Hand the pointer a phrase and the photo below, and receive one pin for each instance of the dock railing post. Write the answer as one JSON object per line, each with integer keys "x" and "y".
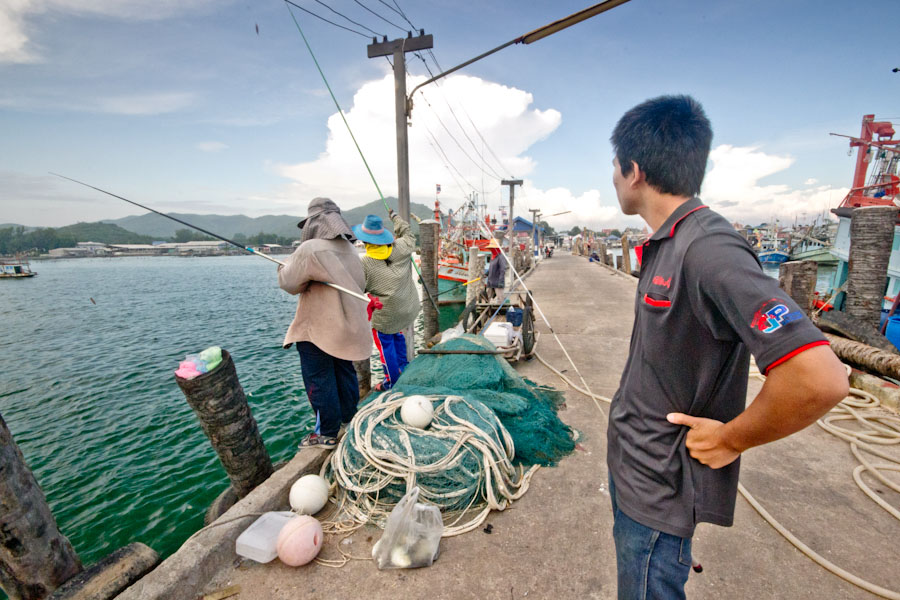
{"x": 626, "y": 255}
{"x": 218, "y": 400}
{"x": 476, "y": 271}
{"x": 429, "y": 231}
{"x": 798, "y": 279}
{"x": 35, "y": 557}
{"x": 871, "y": 238}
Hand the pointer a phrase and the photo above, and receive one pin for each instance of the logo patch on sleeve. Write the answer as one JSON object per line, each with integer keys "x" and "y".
{"x": 773, "y": 315}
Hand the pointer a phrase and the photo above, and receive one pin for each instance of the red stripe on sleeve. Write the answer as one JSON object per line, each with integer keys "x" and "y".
{"x": 795, "y": 353}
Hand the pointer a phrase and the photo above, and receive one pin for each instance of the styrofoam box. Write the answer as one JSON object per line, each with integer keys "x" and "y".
{"x": 499, "y": 334}
{"x": 258, "y": 541}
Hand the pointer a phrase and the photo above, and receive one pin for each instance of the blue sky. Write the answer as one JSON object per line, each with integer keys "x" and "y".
{"x": 183, "y": 106}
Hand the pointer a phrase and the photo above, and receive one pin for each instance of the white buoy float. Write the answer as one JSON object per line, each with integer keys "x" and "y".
{"x": 299, "y": 541}
{"x": 417, "y": 411}
{"x": 309, "y": 494}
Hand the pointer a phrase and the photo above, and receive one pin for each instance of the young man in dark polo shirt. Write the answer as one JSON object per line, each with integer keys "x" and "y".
{"x": 678, "y": 423}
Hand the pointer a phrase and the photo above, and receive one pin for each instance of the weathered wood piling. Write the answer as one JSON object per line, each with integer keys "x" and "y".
{"x": 429, "y": 234}
{"x": 476, "y": 271}
{"x": 35, "y": 557}
{"x": 798, "y": 279}
{"x": 871, "y": 238}
{"x": 626, "y": 255}
{"x": 218, "y": 400}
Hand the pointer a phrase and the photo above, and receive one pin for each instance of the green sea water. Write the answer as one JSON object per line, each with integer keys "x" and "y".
{"x": 88, "y": 390}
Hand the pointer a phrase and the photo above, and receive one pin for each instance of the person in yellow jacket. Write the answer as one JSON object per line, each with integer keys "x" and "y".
{"x": 388, "y": 269}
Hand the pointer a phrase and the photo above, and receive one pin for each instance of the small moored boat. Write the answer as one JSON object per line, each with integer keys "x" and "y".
{"x": 14, "y": 268}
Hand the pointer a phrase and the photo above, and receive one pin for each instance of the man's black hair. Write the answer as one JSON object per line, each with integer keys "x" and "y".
{"x": 669, "y": 138}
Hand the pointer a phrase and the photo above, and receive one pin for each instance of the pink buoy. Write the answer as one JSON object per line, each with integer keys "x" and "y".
{"x": 299, "y": 541}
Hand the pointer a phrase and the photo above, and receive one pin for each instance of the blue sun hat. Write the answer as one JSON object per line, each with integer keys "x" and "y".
{"x": 372, "y": 231}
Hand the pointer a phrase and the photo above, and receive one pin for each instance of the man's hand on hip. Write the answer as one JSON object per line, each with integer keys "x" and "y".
{"x": 705, "y": 441}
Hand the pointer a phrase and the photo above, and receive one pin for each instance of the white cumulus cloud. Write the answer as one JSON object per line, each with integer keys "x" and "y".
{"x": 733, "y": 187}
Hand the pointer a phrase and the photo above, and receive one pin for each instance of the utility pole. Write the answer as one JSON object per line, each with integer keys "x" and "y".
{"x": 398, "y": 49}
{"x": 535, "y": 213}
{"x": 512, "y": 183}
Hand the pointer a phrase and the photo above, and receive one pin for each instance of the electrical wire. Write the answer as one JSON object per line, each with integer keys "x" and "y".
{"x": 324, "y": 19}
{"x": 379, "y": 16}
{"x": 348, "y": 18}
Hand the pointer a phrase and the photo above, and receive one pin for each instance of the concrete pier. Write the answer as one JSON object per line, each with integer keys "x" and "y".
{"x": 556, "y": 542}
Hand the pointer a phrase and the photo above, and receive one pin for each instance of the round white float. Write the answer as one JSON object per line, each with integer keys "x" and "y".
{"x": 417, "y": 411}
{"x": 299, "y": 541}
{"x": 309, "y": 494}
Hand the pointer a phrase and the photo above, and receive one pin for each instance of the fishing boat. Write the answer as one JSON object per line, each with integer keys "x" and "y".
{"x": 814, "y": 243}
{"x": 15, "y": 268}
{"x": 876, "y": 182}
{"x": 771, "y": 246}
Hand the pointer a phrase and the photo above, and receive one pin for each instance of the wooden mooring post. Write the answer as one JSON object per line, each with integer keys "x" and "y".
{"x": 798, "y": 279}
{"x": 35, "y": 557}
{"x": 429, "y": 232}
{"x": 476, "y": 271}
{"x": 871, "y": 238}
{"x": 626, "y": 255}
{"x": 218, "y": 400}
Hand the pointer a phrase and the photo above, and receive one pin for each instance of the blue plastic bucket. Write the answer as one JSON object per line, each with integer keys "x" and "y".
{"x": 892, "y": 333}
{"x": 514, "y": 317}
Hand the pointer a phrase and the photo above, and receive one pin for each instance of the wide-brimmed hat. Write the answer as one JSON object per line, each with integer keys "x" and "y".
{"x": 492, "y": 244}
{"x": 372, "y": 231}
{"x": 317, "y": 206}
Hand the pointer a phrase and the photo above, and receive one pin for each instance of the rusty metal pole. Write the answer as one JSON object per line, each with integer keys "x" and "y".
{"x": 871, "y": 237}
{"x": 35, "y": 557}
{"x": 218, "y": 401}
{"x": 429, "y": 231}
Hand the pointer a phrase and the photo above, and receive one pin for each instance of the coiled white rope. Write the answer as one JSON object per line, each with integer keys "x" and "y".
{"x": 496, "y": 484}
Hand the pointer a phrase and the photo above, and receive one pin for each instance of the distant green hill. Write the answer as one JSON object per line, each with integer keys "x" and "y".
{"x": 159, "y": 227}
{"x": 105, "y": 233}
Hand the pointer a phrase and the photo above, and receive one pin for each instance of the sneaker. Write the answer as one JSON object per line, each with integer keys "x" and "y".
{"x": 314, "y": 440}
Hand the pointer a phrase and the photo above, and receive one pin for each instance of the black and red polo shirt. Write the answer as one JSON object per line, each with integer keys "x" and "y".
{"x": 703, "y": 307}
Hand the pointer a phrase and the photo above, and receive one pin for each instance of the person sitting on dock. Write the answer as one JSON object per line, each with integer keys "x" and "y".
{"x": 677, "y": 423}
{"x": 330, "y": 328}
{"x": 388, "y": 271}
{"x": 496, "y": 274}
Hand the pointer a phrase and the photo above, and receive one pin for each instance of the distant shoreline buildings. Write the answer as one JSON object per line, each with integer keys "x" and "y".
{"x": 195, "y": 248}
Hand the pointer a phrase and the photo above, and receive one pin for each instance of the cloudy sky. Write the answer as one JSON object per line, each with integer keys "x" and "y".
{"x": 217, "y": 107}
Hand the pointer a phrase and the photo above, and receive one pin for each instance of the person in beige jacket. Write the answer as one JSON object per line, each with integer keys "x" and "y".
{"x": 330, "y": 328}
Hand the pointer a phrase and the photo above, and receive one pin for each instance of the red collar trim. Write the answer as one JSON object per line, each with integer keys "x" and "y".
{"x": 675, "y": 224}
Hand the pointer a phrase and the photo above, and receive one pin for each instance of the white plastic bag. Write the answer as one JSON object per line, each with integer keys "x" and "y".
{"x": 412, "y": 535}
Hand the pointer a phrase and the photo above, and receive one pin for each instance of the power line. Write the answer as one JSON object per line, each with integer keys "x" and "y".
{"x": 399, "y": 11}
{"x": 447, "y": 158}
{"x": 348, "y": 18}
{"x": 469, "y": 117}
{"x": 463, "y": 129}
{"x": 379, "y": 16}
{"x": 326, "y": 20}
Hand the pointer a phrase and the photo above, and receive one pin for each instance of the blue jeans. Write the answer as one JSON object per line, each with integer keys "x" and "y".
{"x": 650, "y": 564}
{"x": 392, "y": 352}
{"x": 331, "y": 386}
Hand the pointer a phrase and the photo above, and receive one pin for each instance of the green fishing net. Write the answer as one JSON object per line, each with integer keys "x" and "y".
{"x": 527, "y": 410}
{"x": 491, "y": 429}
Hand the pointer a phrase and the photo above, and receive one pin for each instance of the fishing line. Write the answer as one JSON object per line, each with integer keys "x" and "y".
{"x": 355, "y": 143}
{"x": 210, "y": 233}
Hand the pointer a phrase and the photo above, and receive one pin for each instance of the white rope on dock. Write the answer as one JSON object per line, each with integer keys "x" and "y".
{"x": 357, "y": 497}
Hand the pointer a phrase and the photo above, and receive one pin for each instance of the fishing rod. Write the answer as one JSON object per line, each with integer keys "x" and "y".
{"x": 210, "y": 233}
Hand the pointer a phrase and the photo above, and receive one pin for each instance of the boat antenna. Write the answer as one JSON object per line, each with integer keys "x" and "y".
{"x": 210, "y": 233}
